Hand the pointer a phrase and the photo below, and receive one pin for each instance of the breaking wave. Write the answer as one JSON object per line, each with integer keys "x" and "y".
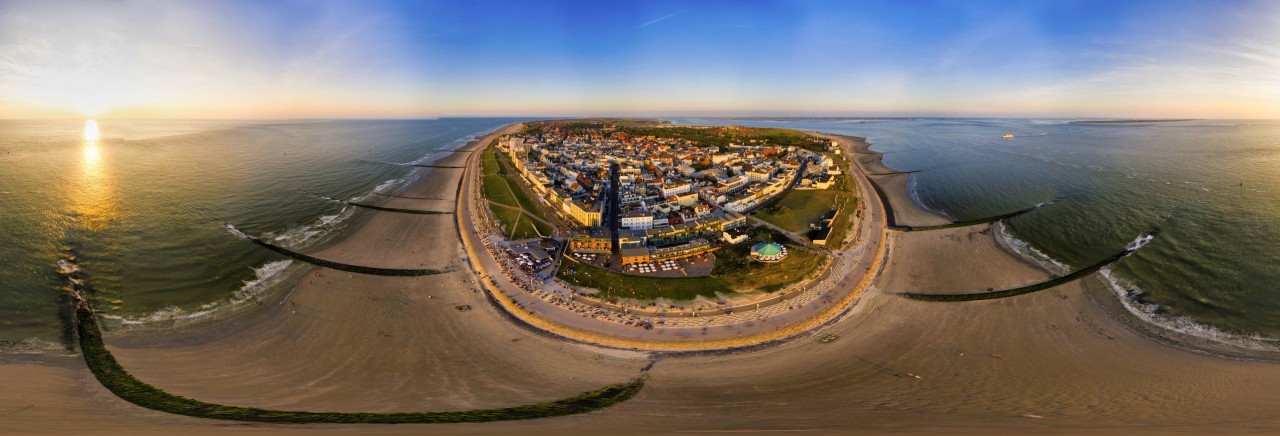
{"x": 314, "y": 232}
{"x": 33, "y": 346}
{"x": 1131, "y": 295}
{"x": 253, "y": 290}
{"x": 1026, "y": 251}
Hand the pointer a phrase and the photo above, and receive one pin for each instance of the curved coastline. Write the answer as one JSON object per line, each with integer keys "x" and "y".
{"x": 1013, "y": 292}
{"x": 120, "y": 382}
{"x": 1048, "y": 361}
{"x": 1086, "y": 279}
{"x": 482, "y": 263}
{"x": 340, "y": 266}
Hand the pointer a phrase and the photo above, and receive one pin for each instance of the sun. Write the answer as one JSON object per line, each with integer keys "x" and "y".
{"x": 91, "y": 131}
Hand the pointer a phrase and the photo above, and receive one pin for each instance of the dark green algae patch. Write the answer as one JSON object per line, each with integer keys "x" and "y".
{"x": 991, "y": 295}
{"x": 114, "y": 377}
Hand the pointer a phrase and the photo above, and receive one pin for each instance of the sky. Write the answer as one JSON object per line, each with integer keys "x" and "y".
{"x": 268, "y": 59}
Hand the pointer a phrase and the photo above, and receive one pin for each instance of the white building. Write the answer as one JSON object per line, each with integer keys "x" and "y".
{"x": 675, "y": 188}
{"x": 759, "y": 175}
{"x": 637, "y": 220}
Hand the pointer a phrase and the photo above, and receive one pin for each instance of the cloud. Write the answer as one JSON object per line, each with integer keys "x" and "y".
{"x": 659, "y": 19}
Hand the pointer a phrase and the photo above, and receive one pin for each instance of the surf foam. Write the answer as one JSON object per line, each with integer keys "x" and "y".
{"x": 1130, "y": 297}
{"x": 1026, "y": 251}
{"x": 264, "y": 277}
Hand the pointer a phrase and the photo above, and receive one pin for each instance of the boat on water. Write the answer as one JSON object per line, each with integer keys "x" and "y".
{"x": 1007, "y": 136}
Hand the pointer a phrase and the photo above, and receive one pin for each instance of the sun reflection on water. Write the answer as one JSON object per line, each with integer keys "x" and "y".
{"x": 93, "y": 197}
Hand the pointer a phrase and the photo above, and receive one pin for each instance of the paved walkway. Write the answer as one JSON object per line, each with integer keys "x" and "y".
{"x": 552, "y": 301}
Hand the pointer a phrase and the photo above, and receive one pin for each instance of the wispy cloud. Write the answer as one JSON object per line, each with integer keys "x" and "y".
{"x": 660, "y": 19}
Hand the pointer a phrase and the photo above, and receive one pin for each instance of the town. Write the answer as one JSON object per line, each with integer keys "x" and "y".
{"x": 654, "y": 192}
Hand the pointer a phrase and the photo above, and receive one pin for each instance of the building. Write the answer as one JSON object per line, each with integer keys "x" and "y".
{"x": 638, "y": 253}
{"x": 591, "y": 240}
{"x": 688, "y": 199}
{"x": 759, "y": 175}
{"x": 588, "y": 215}
{"x": 733, "y": 237}
{"x": 633, "y": 254}
{"x": 768, "y": 252}
{"x": 670, "y": 189}
{"x": 637, "y": 219}
{"x": 681, "y": 251}
{"x": 819, "y": 236}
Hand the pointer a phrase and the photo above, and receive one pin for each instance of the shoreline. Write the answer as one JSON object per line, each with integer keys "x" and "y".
{"x": 1098, "y": 290}
{"x": 552, "y": 319}
{"x": 892, "y": 185}
{"x": 229, "y": 319}
{"x": 1042, "y": 362}
{"x": 225, "y": 318}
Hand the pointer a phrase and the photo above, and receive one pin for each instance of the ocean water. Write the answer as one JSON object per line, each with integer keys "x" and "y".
{"x": 140, "y": 212}
{"x": 1210, "y": 188}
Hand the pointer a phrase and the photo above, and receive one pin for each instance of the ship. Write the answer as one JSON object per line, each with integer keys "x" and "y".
{"x": 1007, "y": 136}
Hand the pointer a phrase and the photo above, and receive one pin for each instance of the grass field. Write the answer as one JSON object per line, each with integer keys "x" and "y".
{"x": 734, "y": 264}
{"x": 500, "y": 188}
{"x": 799, "y": 207}
{"x": 734, "y": 272}
{"x": 613, "y": 284}
{"x": 796, "y": 209}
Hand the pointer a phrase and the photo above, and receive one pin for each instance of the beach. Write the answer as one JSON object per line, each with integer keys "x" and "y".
{"x": 891, "y": 183}
{"x": 1051, "y": 361}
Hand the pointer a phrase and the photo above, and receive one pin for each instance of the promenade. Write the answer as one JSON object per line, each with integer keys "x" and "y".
{"x": 554, "y": 307}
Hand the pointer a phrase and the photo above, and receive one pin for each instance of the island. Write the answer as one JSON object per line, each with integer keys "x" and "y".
{"x": 641, "y": 225}
{"x": 1131, "y": 121}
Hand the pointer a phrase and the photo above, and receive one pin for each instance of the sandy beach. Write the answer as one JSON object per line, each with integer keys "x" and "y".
{"x": 891, "y": 182}
{"x": 1053, "y": 361}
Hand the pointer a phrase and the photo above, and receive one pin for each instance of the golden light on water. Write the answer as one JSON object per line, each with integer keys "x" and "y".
{"x": 91, "y": 131}
{"x": 93, "y": 198}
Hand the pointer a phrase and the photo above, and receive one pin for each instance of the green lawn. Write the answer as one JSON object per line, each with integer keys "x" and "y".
{"x": 489, "y": 162}
{"x": 528, "y": 228}
{"x": 796, "y": 209}
{"x": 734, "y": 263}
{"x": 489, "y": 165}
{"x": 840, "y": 226}
{"x": 497, "y": 191}
{"x": 505, "y": 190}
{"x": 734, "y": 272}
{"x": 507, "y": 218}
{"x": 613, "y": 284}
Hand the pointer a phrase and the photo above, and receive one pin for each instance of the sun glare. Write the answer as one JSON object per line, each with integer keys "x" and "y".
{"x": 91, "y": 131}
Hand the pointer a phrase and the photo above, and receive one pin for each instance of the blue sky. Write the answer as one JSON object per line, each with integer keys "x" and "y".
{"x": 279, "y": 59}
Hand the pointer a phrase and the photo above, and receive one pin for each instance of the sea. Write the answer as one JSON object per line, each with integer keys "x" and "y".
{"x": 138, "y": 210}
{"x": 141, "y": 212}
{"x": 1208, "y": 189}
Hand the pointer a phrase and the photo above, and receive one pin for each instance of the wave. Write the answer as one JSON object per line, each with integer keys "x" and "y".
{"x": 313, "y": 232}
{"x": 33, "y": 346}
{"x": 447, "y": 148}
{"x": 252, "y": 290}
{"x": 913, "y": 191}
{"x": 1020, "y": 247}
{"x": 1130, "y": 297}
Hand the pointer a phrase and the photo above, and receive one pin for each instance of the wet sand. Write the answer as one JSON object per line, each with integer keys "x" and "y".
{"x": 892, "y": 184}
{"x": 1048, "y": 362}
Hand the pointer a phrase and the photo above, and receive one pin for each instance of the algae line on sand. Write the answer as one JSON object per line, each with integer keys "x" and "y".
{"x": 124, "y": 385}
{"x": 991, "y": 295}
